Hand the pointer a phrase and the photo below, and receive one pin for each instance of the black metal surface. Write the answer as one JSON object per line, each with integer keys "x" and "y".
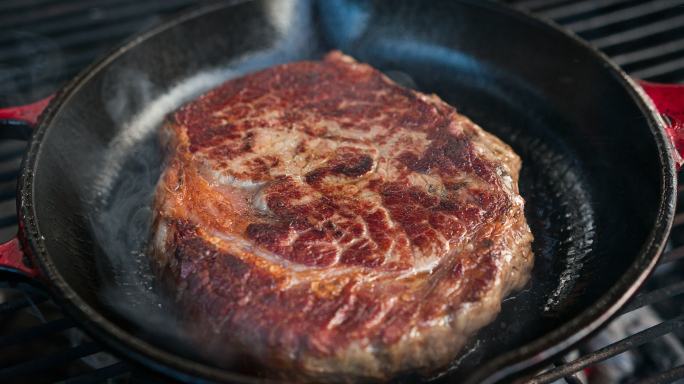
{"x": 643, "y": 37}
{"x": 669, "y": 376}
{"x": 610, "y": 351}
{"x": 35, "y": 343}
{"x": 654, "y": 296}
{"x": 571, "y": 196}
{"x": 42, "y": 45}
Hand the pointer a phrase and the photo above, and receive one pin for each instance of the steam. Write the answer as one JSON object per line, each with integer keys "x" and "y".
{"x": 124, "y": 192}
{"x": 132, "y": 88}
{"x": 147, "y": 122}
{"x": 123, "y": 195}
{"x": 124, "y": 189}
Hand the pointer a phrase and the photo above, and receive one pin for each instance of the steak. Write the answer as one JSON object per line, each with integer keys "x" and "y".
{"x": 333, "y": 225}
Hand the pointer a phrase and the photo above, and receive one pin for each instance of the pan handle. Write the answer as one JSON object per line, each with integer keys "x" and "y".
{"x": 669, "y": 99}
{"x": 13, "y": 259}
{"x": 17, "y": 123}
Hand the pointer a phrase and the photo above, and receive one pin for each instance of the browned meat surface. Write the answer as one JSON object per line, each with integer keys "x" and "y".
{"x": 335, "y": 225}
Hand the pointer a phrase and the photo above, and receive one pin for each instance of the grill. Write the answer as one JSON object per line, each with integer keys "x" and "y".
{"x": 44, "y": 43}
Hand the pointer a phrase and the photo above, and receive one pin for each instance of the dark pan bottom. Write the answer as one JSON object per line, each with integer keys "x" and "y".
{"x": 592, "y": 177}
{"x": 558, "y": 207}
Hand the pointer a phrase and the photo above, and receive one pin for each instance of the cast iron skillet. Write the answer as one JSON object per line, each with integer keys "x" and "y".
{"x": 598, "y": 174}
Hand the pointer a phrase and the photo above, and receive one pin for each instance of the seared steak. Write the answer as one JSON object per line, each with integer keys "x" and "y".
{"x": 335, "y": 225}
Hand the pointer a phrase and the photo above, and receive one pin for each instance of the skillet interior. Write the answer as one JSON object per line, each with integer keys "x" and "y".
{"x": 592, "y": 175}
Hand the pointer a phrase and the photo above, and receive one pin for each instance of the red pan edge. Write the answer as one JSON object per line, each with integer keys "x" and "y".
{"x": 27, "y": 255}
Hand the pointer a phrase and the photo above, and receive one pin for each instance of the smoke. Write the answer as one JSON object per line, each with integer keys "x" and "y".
{"x": 136, "y": 89}
{"x": 129, "y": 90}
{"x": 132, "y": 164}
{"x": 124, "y": 192}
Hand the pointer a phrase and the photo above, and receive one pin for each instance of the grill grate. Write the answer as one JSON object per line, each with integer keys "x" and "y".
{"x": 43, "y": 43}
{"x": 46, "y": 43}
{"x": 645, "y": 37}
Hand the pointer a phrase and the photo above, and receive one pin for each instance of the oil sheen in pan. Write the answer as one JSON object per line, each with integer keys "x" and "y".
{"x": 550, "y": 174}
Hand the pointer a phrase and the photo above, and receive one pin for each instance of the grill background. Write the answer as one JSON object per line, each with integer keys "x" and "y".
{"x": 44, "y": 43}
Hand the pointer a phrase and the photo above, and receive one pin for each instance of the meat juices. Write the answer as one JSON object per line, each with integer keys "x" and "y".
{"x": 333, "y": 225}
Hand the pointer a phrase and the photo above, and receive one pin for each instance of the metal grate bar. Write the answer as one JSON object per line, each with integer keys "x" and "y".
{"x": 36, "y": 365}
{"x": 673, "y": 255}
{"x": 73, "y": 63}
{"x": 675, "y": 77}
{"x": 9, "y": 169}
{"x": 13, "y": 5}
{"x": 8, "y": 220}
{"x": 17, "y": 19}
{"x": 36, "y": 332}
{"x": 647, "y": 30}
{"x": 536, "y": 5}
{"x": 9, "y": 177}
{"x": 660, "y": 70}
{"x": 653, "y": 297}
{"x": 611, "y": 350}
{"x": 11, "y": 149}
{"x": 11, "y": 306}
{"x": 110, "y": 16}
{"x": 622, "y": 15}
{"x": 578, "y": 8}
{"x": 62, "y": 76}
{"x": 668, "y": 376}
{"x": 115, "y": 31}
{"x": 649, "y": 53}
{"x": 573, "y": 379}
{"x": 8, "y": 189}
{"x": 76, "y": 62}
{"x": 100, "y": 375}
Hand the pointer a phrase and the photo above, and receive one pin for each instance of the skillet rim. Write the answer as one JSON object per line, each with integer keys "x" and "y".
{"x": 508, "y": 363}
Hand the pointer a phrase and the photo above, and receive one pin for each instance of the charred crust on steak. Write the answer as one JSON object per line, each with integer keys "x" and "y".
{"x": 335, "y": 225}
